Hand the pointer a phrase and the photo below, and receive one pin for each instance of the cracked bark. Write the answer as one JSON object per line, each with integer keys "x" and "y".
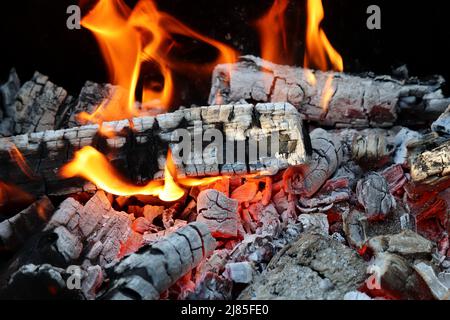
{"x": 356, "y": 101}
{"x": 146, "y": 274}
{"x": 47, "y": 151}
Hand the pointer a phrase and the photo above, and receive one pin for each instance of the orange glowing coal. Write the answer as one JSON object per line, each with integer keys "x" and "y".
{"x": 129, "y": 37}
{"x": 93, "y": 166}
{"x": 272, "y": 33}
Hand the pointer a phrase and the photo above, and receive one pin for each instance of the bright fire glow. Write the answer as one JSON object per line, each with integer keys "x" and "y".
{"x": 127, "y": 38}
{"x": 319, "y": 54}
{"x": 272, "y": 33}
{"x": 92, "y": 165}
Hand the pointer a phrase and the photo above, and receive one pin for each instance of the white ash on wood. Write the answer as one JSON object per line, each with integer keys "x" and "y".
{"x": 47, "y": 151}
{"x": 442, "y": 125}
{"x": 432, "y": 165}
{"x": 146, "y": 274}
{"x": 355, "y": 101}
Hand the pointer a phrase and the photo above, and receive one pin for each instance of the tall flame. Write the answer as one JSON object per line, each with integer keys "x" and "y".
{"x": 127, "y": 38}
{"x": 92, "y": 165}
{"x": 272, "y": 33}
{"x": 319, "y": 54}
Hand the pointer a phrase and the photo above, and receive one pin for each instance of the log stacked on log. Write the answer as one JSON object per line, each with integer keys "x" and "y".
{"x": 355, "y": 101}
{"x": 135, "y": 150}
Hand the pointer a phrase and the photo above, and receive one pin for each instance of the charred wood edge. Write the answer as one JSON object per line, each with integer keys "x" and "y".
{"x": 432, "y": 165}
{"x": 135, "y": 151}
{"x": 146, "y": 274}
{"x": 442, "y": 124}
{"x": 356, "y": 101}
{"x": 326, "y": 157}
{"x": 16, "y": 230}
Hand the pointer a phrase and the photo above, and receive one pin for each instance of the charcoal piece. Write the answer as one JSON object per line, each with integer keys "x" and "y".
{"x": 432, "y": 165}
{"x": 442, "y": 124}
{"x": 439, "y": 289}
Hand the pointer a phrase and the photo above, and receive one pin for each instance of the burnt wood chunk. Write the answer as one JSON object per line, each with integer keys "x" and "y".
{"x": 326, "y": 157}
{"x": 432, "y": 165}
{"x": 134, "y": 151}
{"x": 8, "y": 93}
{"x": 17, "y": 229}
{"x": 95, "y": 228}
{"x": 146, "y": 274}
{"x": 355, "y": 101}
{"x": 219, "y": 213}
{"x": 442, "y": 124}
{"x": 374, "y": 195}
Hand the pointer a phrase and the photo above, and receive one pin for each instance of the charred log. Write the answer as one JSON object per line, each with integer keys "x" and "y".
{"x": 355, "y": 102}
{"x": 129, "y": 150}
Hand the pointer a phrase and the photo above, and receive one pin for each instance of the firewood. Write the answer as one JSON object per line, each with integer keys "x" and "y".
{"x": 8, "y": 93}
{"x": 355, "y": 102}
{"x": 148, "y": 273}
{"x": 307, "y": 179}
{"x": 16, "y": 230}
{"x": 442, "y": 124}
{"x": 393, "y": 276}
{"x": 219, "y": 213}
{"x": 373, "y": 194}
{"x": 432, "y": 165}
{"x": 47, "y": 151}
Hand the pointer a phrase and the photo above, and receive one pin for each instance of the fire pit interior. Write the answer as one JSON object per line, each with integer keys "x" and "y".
{"x": 223, "y": 150}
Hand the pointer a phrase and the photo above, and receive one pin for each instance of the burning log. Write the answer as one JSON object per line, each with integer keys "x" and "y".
{"x": 16, "y": 230}
{"x": 307, "y": 179}
{"x": 355, "y": 101}
{"x": 129, "y": 147}
{"x": 148, "y": 273}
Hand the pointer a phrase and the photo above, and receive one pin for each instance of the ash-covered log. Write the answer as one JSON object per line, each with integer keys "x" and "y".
{"x": 368, "y": 101}
{"x": 432, "y": 165}
{"x": 146, "y": 274}
{"x": 275, "y": 128}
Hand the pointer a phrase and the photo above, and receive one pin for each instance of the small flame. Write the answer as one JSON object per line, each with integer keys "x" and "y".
{"x": 11, "y": 194}
{"x": 272, "y": 33}
{"x": 92, "y": 165}
{"x": 319, "y": 54}
{"x": 19, "y": 159}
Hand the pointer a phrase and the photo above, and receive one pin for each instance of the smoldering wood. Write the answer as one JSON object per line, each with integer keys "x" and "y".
{"x": 355, "y": 102}
{"x": 94, "y": 232}
{"x": 371, "y": 148}
{"x": 393, "y": 276}
{"x": 146, "y": 274}
{"x": 218, "y": 212}
{"x": 36, "y": 105}
{"x": 432, "y": 165}
{"x": 8, "y": 93}
{"x": 16, "y": 230}
{"x": 442, "y": 124}
{"x": 131, "y": 149}
{"x": 373, "y": 194}
{"x": 326, "y": 157}
{"x": 439, "y": 289}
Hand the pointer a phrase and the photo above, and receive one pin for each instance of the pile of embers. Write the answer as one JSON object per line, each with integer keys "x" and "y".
{"x": 367, "y": 217}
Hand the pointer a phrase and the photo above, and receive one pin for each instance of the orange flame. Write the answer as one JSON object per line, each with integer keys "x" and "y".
{"x": 272, "y": 33}
{"x": 127, "y": 38}
{"x": 92, "y": 165}
{"x": 319, "y": 54}
{"x": 18, "y": 158}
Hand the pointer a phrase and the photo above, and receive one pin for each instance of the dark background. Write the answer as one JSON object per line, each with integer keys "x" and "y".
{"x": 34, "y": 36}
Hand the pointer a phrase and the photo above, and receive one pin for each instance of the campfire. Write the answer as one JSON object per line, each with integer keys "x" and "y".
{"x": 293, "y": 180}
